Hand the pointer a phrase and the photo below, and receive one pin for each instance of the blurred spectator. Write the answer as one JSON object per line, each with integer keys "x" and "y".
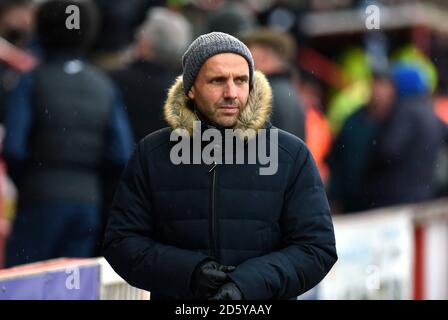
{"x": 16, "y": 21}
{"x": 64, "y": 123}
{"x": 233, "y": 18}
{"x": 273, "y": 52}
{"x": 402, "y": 162}
{"x": 284, "y": 16}
{"x": 16, "y": 27}
{"x": 160, "y": 42}
{"x": 118, "y": 21}
{"x": 441, "y": 174}
{"x": 317, "y": 127}
{"x": 386, "y": 152}
{"x": 352, "y": 88}
{"x": 349, "y": 155}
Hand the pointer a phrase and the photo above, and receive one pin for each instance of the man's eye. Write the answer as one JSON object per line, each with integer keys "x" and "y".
{"x": 241, "y": 81}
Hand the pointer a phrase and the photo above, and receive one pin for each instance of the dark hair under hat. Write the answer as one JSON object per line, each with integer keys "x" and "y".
{"x": 208, "y": 45}
{"x": 52, "y": 31}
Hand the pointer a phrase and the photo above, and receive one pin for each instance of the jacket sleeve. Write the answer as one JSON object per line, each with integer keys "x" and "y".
{"x": 119, "y": 134}
{"x": 308, "y": 251}
{"x": 18, "y": 124}
{"x": 129, "y": 246}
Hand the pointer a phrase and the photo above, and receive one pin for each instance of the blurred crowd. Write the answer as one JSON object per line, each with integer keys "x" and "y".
{"x": 74, "y": 102}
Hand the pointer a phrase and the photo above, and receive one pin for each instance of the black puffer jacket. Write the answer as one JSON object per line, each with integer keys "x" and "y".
{"x": 167, "y": 218}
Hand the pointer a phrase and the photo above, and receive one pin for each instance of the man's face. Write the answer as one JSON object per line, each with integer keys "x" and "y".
{"x": 221, "y": 89}
{"x": 383, "y": 95}
{"x": 16, "y": 24}
{"x": 265, "y": 59}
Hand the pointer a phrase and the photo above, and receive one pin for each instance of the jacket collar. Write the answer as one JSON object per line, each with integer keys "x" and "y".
{"x": 255, "y": 116}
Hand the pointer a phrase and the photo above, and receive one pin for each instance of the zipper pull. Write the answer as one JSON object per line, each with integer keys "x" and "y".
{"x": 213, "y": 167}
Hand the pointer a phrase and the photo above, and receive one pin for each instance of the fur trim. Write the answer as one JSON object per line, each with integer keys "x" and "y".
{"x": 254, "y": 116}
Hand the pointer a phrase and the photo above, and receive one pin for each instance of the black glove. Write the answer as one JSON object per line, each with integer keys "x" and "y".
{"x": 228, "y": 291}
{"x": 208, "y": 277}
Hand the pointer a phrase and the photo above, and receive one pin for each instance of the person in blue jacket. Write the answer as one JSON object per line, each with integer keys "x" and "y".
{"x": 65, "y": 123}
{"x": 217, "y": 230}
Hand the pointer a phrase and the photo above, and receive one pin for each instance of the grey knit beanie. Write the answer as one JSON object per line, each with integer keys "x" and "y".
{"x": 209, "y": 45}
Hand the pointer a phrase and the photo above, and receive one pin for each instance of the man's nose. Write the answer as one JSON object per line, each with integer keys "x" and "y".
{"x": 230, "y": 90}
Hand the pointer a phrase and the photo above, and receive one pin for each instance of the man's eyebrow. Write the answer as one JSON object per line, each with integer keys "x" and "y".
{"x": 242, "y": 77}
{"x": 221, "y": 77}
{"x": 217, "y": 77}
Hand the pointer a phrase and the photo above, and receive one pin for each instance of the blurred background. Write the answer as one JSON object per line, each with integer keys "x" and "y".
{"x": 363, "y": 83}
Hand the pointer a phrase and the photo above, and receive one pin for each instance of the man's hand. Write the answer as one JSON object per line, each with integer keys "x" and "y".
{"x": 208, "y": 277}
{"x": 228, "y": 291}
{"x": 5, "y": 228}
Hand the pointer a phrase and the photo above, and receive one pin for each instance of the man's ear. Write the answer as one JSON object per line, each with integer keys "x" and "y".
{"x": 191, "y": 93}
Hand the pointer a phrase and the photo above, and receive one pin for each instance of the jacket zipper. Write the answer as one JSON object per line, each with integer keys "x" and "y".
{"x": 213, "y": 213}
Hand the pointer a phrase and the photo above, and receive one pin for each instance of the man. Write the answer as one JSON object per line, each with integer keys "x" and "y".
{"x": 220, "y": 231}
{"x": 350, "y": 153}
{"x": 386, "y": 152}
{"x": 403, "y": 160}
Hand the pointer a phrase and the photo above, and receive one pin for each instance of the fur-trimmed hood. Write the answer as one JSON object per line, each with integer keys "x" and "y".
{"x": 254, "y": 116}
